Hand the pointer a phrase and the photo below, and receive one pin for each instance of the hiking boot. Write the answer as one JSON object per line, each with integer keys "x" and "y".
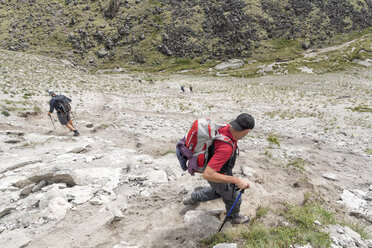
{"x": 188, "y": 200}
{"x": 239, "y": 219}
{"x": 76, "y": 133}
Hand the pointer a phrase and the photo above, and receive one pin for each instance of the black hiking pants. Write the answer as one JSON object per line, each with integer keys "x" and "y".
{"x": 63, "y": 118}
{"x": 226, "y": 191}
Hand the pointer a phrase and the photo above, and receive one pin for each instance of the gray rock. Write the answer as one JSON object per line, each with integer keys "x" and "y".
{"x": 96, "y": 201}
{"x": 54, "y": 176}
{"x": 82, "y": 149}
{"x": 57, "y": 209}
{"x": 137, "y": 178}
{"x": 231, "y": 64}
{"x": 20, "y": 164}
{"x": 22, "y": 183}
{"x": 305, "y": 246}
{"x": 165, "y": 50}
{"x": 12, "y": 189}
{"x": 156, "y": 177}
{"x": 248, "y": 171}
{"x": 203, "y": 220}
{"x": 116, "y": 210}
{"x": 27, "y": 190}
{"x": 124, "y": 245}
{"x": 330, "y": 176}
{"x": 102, "y": 53}
{"x": 39, "y": 186}
{"x": 14, "y": 239}
{"x": 368, "y": 196}
{"x": 344, "y": 236}
{"x": 317, "y": 223}
{"x": 369, "y": 243}
{"x": 5, "y": 210}
{"x": 226, "y": 245}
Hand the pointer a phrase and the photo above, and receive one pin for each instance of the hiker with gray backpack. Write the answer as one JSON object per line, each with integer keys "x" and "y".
{"x": 212, "y": 150}
{"x": 62, "y": 106}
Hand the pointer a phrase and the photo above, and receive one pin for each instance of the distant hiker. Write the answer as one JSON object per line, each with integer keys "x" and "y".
{"x": 61, "y": 104}
{"x": 218, "y": 168}
{"x": 190, "y": 88}
{"x": 183, "y": 89}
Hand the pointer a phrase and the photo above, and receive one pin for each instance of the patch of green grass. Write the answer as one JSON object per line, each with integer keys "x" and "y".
{"x": 369, "y": 151}
{"x": 284, "y": 236}
{"x": 361, "y": 108}
{"x": 215, "y": 239}
{"x": 268, "y": 154}
{"x": 304, "y": 216}
{"x": 297, "y": 163}
{"x": 301, "y": 230}
{"x": 271, "y": 114}
{"x": 6, "y": 113}
{"x": 37, "y": 109}
{"x": 261, "y": 211}
{"x": 273, "y": 139}
{"x": 277, "y": 49}
{"x": 155, "y": 3}
{"x": 26, "y": 144}
{"x": 105, "y": 125}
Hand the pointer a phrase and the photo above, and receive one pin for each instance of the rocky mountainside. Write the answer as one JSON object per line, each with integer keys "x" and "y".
{"x": 119, "y": 184}
{"x": 148, "y": 32}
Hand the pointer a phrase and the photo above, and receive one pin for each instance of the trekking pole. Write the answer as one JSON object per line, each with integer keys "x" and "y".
{"x": 237, "y": 199}
{"x": 73, "y": 115}
{"x": 51, "y": 119}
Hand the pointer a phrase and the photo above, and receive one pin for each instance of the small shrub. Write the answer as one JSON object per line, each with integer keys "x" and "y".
{"x": 297, "y": 163}
{"x": 273, "y": 139}
{"x": 215, "y": 239}
{"x": 261, "y": 211}
{"x": 105, "y": 125}
{"x": 37, "y": 109}
{"x": 6, "y": 113}
{"x": 268, "y": 154}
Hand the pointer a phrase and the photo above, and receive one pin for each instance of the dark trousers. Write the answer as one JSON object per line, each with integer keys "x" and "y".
{"x": 63, "y": 118}
{"x": 226, "y": 191}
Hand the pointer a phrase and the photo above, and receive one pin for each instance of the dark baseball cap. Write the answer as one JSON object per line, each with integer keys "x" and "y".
{"x": 242, "y": 122}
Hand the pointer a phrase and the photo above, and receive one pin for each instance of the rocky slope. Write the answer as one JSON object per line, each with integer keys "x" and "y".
{"x": 148, "y": 32}
{"x": 119, "y": 183}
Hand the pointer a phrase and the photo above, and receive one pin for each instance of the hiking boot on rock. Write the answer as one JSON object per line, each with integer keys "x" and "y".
{"x": 239, "y": 219}
{"x": 76, "y": 133}
{"x": 188, "y": 200}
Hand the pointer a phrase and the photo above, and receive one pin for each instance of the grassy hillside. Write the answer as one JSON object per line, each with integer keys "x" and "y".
{"x": 157, "y": 35}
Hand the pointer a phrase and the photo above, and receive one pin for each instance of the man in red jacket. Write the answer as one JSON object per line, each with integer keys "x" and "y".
{"x": 218, "y": 172}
